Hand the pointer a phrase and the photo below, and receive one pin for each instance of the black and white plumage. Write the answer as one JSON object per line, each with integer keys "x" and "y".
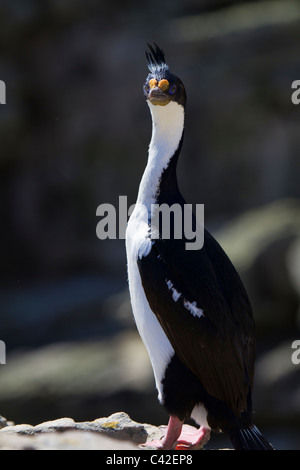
{"x": 190, "y": 307}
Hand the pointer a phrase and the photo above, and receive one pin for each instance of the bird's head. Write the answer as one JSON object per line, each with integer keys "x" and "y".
{"x": 161, "y": 86}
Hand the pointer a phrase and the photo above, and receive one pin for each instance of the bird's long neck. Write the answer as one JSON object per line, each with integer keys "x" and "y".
{"x": 159, "y": 181}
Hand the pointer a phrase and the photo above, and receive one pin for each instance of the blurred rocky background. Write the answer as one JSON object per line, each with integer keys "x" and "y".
{"x": 74, "y": 134}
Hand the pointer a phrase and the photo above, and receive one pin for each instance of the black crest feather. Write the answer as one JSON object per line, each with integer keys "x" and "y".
{"x": 156, "y": 58}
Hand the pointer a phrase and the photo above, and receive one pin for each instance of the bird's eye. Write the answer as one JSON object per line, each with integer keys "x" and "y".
{"x": 173, "y": 89}
{"x": 147, "y": 88}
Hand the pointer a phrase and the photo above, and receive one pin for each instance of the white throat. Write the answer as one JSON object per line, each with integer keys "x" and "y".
{"x": 167, "y": 129}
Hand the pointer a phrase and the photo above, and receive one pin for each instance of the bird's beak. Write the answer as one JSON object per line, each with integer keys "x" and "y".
{"x": 157, "y": 96}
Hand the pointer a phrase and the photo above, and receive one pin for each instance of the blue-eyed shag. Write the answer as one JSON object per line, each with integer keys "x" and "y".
{"x": 190, "y": 306}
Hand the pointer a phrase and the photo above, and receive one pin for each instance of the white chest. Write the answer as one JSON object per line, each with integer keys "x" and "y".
{"x": 137, "y": 245}
{"x": 168, "y": 123}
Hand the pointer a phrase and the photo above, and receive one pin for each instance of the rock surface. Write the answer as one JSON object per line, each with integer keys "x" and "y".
{"x": 115, "y": 432}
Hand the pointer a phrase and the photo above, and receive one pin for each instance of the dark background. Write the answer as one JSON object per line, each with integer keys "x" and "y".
{"x": 74, "y": 134}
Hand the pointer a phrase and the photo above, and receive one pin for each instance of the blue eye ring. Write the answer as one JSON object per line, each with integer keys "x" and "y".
{"x": 173, "y": 89}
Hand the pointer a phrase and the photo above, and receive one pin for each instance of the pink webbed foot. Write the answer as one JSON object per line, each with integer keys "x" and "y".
{"x": 192, "y": 438}
{"x": 169, "y": 438}
{"x": 180, "y": 437}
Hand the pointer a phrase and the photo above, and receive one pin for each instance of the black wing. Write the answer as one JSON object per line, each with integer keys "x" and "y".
{"x": 218, "y": 347}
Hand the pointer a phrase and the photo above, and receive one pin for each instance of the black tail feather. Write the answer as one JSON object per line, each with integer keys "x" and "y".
{"x": 249, "y": 438}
